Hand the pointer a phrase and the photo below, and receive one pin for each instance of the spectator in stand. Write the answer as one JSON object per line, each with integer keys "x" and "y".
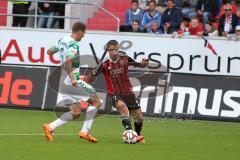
{"x": 59, "y": 10}
{"x": 178, "y": 3}
{"x": 207, "y": 9}
{"x": 20, "y": 7}
{"x": 219, "y": 6}
{"x": 155, "y": 29}
{"x": 134, "y": 13}
{"x": 150, "y": 15}
{"x": 135, "y": 27}
{"x": 238, "y": 10}
{"x": 183, "y": 31}
{"x": 209, "y": 30}
{"x": 187, "y": 9}
{"x": 237, "y": 2}
{"x": 227, "y": 22}
{"x": 237, "y": 33}
{"x": 225, "y": 2}
{"x": 172, "y": 18}
{"x": 194, "y": 3}
{"x": 46, "y": 9}
{"x": 147, "y": 2}
{"x": 31, "y": 11}
{"x": 195, "y": 27}
{"x": 161, "y": 6}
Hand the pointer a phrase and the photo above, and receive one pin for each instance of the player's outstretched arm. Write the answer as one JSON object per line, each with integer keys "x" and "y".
{"x": 142, "y": 64}
{"x": 50, "y": 51}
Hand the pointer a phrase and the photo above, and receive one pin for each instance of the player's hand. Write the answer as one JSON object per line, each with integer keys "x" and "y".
{"x": 74, "y": 83}
{"x": 148, "y": 25}
{"x": 199, "y": 12}
{"x": 167, "y": 25}
{"x": 144, "y": 62}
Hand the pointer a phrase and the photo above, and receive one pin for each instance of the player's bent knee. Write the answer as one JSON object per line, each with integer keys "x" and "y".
{"x": 75, "y": 109}
{"x": 95, "y": 101}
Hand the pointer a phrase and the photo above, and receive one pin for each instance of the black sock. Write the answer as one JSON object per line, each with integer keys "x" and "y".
{"x": 126, "y": 122}
{"x": 138, "y": 127}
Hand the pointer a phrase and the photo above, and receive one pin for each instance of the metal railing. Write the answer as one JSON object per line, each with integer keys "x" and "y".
{"x": 65, "y": 17}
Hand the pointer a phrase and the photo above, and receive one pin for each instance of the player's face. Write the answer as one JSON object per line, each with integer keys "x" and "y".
{"x": 155, "y": 26}
{"x": 80, "y": 35}
{"x": 152, "y": 6}
{"x": 228, "y": 9}
{"x": 170, "y": 4}
{"x": 135, "y": 26}
{"x": 113, "y": 52}
{"x": 194, "y": 23}
{"x": 238, "y": 32}
{"x": 208, "y": 28}
{"x": 134, "y": 6}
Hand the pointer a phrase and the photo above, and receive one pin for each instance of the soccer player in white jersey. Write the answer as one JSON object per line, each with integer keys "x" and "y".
{"x": 68, "y": 49}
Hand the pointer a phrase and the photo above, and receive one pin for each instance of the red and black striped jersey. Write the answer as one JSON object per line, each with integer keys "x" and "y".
{"x": 116, "y": 74}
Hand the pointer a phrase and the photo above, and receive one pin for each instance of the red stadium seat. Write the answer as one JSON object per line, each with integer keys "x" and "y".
{"x": 215, "y": 25}
{"x": 102, "y": 21}
{"x": 3, "y": 9}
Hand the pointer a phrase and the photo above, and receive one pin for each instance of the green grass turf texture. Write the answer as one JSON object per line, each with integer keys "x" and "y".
{"x": 165, "y": 139}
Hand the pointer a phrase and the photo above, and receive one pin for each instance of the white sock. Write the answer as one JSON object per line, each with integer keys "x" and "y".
{"x": 66, "y": 117}
{"x": 90, "y": 113}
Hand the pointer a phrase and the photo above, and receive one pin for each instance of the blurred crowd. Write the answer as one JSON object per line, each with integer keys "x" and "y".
{"x": 185, "y": 17}
{"x": 44, "y": 9}
{"x": 176, "y": 17}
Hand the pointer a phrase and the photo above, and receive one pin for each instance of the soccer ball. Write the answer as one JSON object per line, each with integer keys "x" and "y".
{"x": 129, "y": 136}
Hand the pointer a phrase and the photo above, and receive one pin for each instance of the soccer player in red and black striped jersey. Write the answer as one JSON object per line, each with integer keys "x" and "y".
{"x": 119, "y": 88}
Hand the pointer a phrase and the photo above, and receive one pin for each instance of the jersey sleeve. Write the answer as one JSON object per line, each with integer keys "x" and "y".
{"x": 72, "y": 50}
{"x": 55, "y": 47}
{"x": 132, "y": 62}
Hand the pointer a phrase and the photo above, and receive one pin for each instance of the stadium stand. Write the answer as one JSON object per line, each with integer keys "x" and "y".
{"x": 3, "y": 9}
{"x": 97, "y": 19}
{"x": 102, "y": 21}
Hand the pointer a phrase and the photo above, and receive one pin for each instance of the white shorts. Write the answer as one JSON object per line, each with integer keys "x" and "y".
{"x": 70, "y": 94}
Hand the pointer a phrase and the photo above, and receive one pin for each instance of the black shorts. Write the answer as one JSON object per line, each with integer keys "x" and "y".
{"x": 130, "y": 100}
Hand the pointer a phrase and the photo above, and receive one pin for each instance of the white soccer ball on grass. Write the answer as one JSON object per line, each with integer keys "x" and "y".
{"x": 129, "y": 136}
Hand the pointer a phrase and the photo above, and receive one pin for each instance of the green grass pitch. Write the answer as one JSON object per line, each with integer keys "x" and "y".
{"x": 21, "y": 139}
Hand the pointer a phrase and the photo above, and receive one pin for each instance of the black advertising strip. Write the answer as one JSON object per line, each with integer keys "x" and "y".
{"x": 214, "y": 97}
{"x": 0, "y": 56}
{"x": 22, "y": 86}
{"x": 52, "y": 89}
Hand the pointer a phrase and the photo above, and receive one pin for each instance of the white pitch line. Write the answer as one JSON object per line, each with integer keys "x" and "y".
{"x": 34, "y": 134}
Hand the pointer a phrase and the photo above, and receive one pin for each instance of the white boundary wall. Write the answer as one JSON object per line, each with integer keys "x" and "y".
{"x": 175, "y": 53}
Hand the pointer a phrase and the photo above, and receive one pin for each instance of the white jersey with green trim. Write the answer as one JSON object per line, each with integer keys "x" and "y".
{"x": 67, "y": 47}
